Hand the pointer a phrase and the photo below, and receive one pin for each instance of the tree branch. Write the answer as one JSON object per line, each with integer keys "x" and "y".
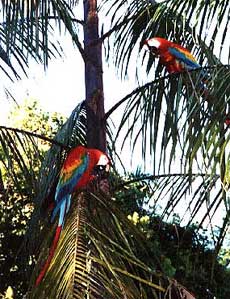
{"x": 81, "y": 22}
{"x": 114, "y": 28}
{"x": 154, "y": 177}
{"x": 50, "y": 140}
{"x": 108, "y": 113}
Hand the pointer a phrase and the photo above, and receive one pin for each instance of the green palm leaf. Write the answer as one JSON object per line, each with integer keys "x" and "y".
{"x": 27, "y": 30}
{"x": 196, "y": 198}
{"x": 17, "y": 150}
{"x": 97, "y": 256}
{"x": 187, "y": 119}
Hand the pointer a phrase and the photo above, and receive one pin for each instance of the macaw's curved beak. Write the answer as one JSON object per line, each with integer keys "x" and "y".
{"x": 145, "y": 45}
{"x": 101, "y": 171}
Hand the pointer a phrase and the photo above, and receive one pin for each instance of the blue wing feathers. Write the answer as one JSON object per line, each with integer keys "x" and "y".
{"x": 62, "y": 213}
{"x": 73, "y": 169}
{"x": 65, "y": 188}
{"x": 191, "y": 64}
{"x": 68, "y": 186}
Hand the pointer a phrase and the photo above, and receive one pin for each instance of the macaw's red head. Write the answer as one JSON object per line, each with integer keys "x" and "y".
{"x": 156, "y": 44}
{"x": 100, "y": 163}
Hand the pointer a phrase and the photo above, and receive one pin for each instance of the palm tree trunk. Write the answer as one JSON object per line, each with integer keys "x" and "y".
{"x": 96, "y": 137}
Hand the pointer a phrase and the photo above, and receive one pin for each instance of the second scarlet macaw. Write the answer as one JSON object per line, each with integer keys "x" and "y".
{"x": 177, "y": 59}
{"x": 173, "y": 56}
{"x": 81, "y": 166}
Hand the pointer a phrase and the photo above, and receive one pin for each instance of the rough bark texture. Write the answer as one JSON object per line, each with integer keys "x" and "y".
{"x": 93, "y": 78}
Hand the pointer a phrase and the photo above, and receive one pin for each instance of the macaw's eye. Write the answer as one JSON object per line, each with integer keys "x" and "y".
{"x": 100, "y": 168}
{"x": 153, "y": 49}
{"x": 101, "y": 171}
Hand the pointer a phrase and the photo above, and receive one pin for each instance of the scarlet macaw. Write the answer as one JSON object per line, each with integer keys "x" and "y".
{"x": 80, "y": 167}
{"x": 173, "y": 56}
{"x": 177, "y": 59}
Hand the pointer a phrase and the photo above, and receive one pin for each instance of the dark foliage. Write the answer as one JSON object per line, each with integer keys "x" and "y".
{"x": 184, "y": 254}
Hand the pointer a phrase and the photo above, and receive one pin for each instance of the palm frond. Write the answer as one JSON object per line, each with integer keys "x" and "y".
{"x": 19, "y": 155}
{"x": 197, "y": 198}
{"x": 167, "y": 190}
{"x": 186, "y": 118}
{"x": 97, "y": 256}
{"x": 27, "y": 30}
{"x": 171, "y": 102}
{"x": 207, "y": 19}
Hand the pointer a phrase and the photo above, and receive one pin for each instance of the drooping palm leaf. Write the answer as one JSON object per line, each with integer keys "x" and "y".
{"x": 207, "y": 18}
{"x": 167, "y": 190}
{"x": 27, "y": 30}
{"x": 174, "y": 104}
{"x": 196, "y": 198}
{"x": 19, "y": 155}
{"x": 20, "y": 151}
{"x": 166, "y": 102}
{"x": 97, "y": 257}
{"x": 146, "y": 19}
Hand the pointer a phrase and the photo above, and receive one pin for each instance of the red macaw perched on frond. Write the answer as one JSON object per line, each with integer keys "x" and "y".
{"x": 174, "y": 57}
{"x": 178, "y": 59}
{"x": 82, "y": 165}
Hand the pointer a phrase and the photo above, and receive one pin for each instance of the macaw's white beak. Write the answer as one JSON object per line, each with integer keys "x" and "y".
{"x": 107, "y": 167}
{"x": 144, "y": 45}
{"x": 146, "y": 48}
{"x": 151, "y": 45}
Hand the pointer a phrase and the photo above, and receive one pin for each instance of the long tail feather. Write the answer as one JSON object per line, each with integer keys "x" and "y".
{"x": 62, "y": 211}
{"x": 68, "y": 204}
{"x": 51, "y": 254}
{"x": 61, "y": 208}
